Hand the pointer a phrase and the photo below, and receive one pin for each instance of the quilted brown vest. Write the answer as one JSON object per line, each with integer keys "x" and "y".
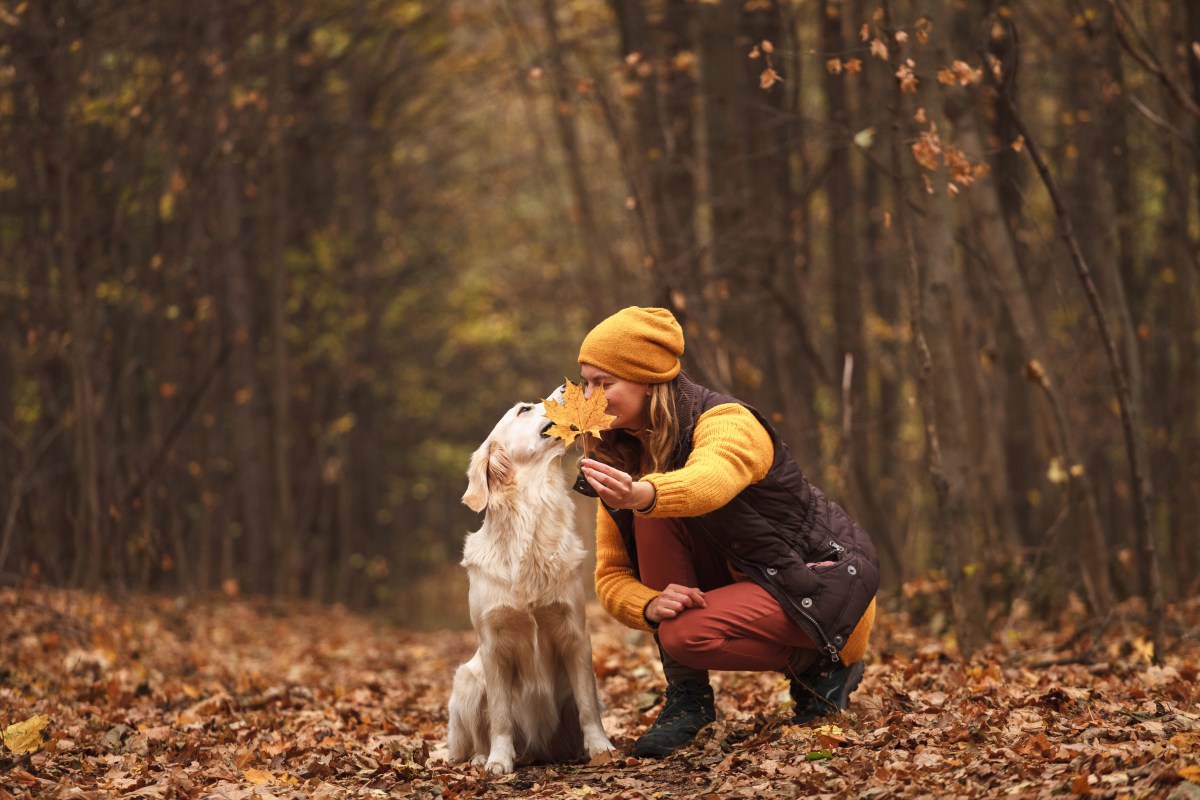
{"x": 774, "y": 528}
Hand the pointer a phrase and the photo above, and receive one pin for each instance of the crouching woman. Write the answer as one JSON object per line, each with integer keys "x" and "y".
{"x": 709, "y": 536}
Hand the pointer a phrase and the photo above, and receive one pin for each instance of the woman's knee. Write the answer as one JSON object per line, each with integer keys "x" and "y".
{"x": 684, "y": 643}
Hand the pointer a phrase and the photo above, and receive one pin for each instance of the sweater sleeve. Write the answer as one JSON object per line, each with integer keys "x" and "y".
{"x": 730, "y": 450}
{"x": 621, "y": 594}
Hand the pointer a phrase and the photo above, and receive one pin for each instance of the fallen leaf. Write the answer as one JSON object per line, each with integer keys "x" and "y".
{"x": 578, "y": 415}
{"x": 28, "y": 736}
{"x": 831, "y": 736}
{"x": 1143, "y": 649}
{"x": 258, "y": 776}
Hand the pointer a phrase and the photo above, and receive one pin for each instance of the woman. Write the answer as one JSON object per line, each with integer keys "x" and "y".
{"x": 709, "y": 536}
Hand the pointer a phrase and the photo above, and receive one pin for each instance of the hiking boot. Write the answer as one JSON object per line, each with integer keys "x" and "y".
{"x": 824, "y": 688}
{"x": 688, "y": 708}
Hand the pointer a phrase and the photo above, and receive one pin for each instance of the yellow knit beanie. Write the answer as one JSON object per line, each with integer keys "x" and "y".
{"x": 642, "y": 345}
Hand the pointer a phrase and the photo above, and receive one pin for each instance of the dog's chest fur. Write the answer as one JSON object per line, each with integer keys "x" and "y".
{"x": 529, "y": 548}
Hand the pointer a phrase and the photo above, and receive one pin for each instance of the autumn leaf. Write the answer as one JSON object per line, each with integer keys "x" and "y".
{"x": 1143, "y": 649}
{"x": 28, "y": 736}
{"x": 831, "y": 736}
{"x": 578, "y": 415}
{"x": 1036, "y": 373}
{"x": 258, "y": 777}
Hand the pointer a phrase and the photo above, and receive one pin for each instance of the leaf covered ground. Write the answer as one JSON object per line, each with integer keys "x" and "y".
{"x": 158, "y": 698}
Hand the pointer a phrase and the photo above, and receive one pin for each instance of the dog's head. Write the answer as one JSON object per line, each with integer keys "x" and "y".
{"x": 517, "y": 440}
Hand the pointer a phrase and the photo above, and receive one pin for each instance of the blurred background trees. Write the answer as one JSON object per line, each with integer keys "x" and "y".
{"x": 270, "y": 271}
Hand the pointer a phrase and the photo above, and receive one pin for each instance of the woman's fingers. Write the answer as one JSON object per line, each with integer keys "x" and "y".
{"x": 684, "y": 596}
{"x": 673, "y": 601}
{"x": 614, "y": 486}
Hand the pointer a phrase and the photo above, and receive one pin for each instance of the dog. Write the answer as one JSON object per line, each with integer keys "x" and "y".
{"x": 529, "y": 691}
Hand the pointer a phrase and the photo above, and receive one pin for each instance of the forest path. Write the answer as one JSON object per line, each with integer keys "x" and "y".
{"x": 157, "y": 698}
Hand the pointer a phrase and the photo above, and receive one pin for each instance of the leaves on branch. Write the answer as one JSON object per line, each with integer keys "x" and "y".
{"x": 578, "y": 415}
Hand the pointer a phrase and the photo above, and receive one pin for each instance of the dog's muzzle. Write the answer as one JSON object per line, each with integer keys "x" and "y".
{"x": 545, "y": 430}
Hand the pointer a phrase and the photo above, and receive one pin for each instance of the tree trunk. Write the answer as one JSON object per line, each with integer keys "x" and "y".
{"x": 1185, "y": 484}
{"x": 1151, "y": 584}
{"x": 937, "y": 309}
{"x": 287, "y": 540}
{"x": 662, "y": 89}
{"x": 985, "y": 212}
{"x": 602, "y": 274}
{"x": 247, "y": 448}
{"x": 54, "y": 90}
{"x": 843, "y": 233}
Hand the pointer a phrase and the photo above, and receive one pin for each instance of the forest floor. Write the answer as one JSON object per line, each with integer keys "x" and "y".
{"x": 157, "y": 698}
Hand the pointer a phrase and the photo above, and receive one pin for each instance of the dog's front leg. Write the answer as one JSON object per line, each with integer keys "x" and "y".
{"x": 502, "y": 752}
{"x": 578, "y": 659}
{"x": 583, "y": 681}
{"x": 499, "y": 663}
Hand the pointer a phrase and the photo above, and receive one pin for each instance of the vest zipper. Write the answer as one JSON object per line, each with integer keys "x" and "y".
{"x": 829, "y": 648}
{"x": 835, "y": 554}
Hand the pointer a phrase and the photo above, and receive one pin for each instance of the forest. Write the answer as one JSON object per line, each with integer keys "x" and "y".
{"x": 270, "y": 271}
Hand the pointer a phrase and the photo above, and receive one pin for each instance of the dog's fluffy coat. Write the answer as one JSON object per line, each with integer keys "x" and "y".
{"x": 529, "y": 691}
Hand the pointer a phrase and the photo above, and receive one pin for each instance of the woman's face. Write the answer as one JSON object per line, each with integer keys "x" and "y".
{"x": 626, "y": 399}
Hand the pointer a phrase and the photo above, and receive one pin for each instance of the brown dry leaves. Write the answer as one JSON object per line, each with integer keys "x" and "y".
{"x": 930, "y": 151}
{"x": 576, "y": 415}
{"x": 157, "y": 698}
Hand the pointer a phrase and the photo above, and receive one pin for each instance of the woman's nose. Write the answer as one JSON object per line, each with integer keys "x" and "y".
{"x": 587, "y": 392}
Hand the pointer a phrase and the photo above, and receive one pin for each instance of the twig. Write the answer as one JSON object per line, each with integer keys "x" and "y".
{"x": 1152, "y": 66}
{"x": 181, "y": 422}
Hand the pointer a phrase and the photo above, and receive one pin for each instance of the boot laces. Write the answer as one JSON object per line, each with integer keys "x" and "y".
{"x": 681, "y": 699}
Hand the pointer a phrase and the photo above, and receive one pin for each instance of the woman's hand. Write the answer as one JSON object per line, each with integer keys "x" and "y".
{"x": 616, "y": 488}
{"x": 673, "y": 601}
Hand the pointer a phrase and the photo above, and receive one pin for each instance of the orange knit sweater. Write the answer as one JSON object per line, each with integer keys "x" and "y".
{"x": 730, "y": 450}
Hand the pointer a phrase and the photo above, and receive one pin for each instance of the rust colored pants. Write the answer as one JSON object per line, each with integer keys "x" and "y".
{"x": 741, "y": 628}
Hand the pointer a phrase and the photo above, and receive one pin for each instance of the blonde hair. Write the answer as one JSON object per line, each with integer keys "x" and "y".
{"x": 651, "y": 449}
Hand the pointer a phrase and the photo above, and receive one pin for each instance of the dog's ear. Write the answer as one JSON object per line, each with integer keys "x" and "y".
{"x": 490, "y": 469}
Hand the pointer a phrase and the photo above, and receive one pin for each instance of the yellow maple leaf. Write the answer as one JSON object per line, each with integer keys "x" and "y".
{"x": 26, "y": 737}
{"x": 577, "y": 415}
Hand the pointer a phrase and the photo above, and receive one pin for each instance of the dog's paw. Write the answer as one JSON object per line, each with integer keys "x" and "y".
{"x": 499, "y": 766}
{"x": 478, "y": 760}
{"x": 595, "y": 745}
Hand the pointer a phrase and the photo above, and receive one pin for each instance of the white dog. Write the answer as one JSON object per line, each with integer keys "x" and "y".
{"x": 529, "y": 691}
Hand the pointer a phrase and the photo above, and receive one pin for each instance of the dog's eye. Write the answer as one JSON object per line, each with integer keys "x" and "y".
{"x": 523, "y": 409}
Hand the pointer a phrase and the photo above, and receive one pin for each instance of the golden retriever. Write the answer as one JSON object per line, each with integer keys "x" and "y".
{"x": 529, "y": 692}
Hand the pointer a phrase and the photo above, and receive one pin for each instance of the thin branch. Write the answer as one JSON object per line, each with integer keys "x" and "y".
{"x": 17, "y": 490}
{"x": 180, "y": 424}
{"x": 1143, "y": 57}
{"x": 1158, "y": 120}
